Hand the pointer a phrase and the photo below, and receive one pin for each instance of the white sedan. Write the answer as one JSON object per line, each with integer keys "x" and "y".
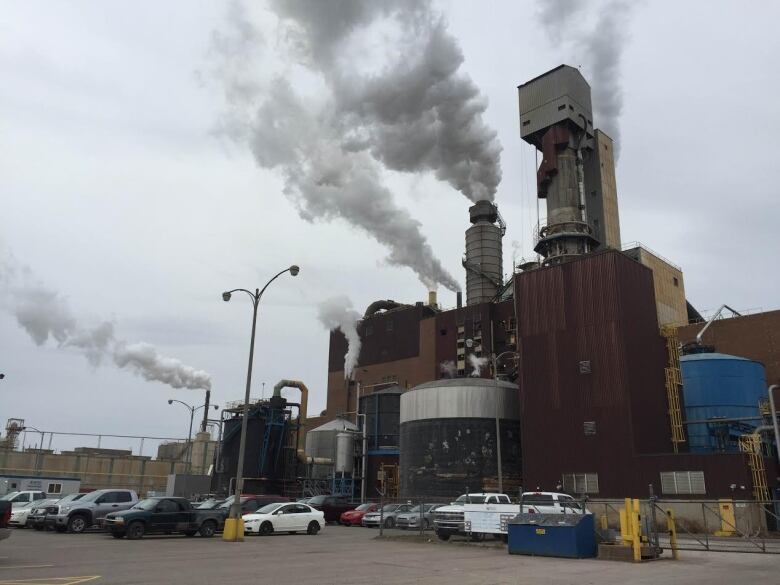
{"x": 19, "y": 515}
{"x": 292, "y": 517}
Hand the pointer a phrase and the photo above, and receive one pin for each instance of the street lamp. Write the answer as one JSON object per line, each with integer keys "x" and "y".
{"x": 192, "y": 410}
{"x": 494, "y": 359}
{"x": 234, "y": 529}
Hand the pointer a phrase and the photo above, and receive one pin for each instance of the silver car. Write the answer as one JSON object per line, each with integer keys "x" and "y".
{"x": 411, "y": 519}
{"x": 388, "y": 515}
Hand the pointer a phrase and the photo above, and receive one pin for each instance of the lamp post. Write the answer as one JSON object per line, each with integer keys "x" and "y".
{"x": 494, "y": 359}
{"x": 234, "y": 530}
{"x": 192, "y": 410}
{"x": 40, "y": 447}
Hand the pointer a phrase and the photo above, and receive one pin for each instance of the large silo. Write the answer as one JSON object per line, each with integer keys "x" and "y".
{"x": 448, "y": 438}
{"x": 723, "y": 390}
{"x": 322, "y": 442}
{"x": 484, "y": 257}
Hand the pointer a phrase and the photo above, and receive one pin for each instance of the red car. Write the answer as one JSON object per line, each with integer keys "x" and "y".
{"x": 355, "y": 517}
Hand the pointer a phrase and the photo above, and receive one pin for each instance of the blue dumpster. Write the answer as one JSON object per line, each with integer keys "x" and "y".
{"x": 553, "y": 535}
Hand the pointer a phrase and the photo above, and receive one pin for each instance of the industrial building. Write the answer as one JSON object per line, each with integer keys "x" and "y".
{"x": 574, "y": 358}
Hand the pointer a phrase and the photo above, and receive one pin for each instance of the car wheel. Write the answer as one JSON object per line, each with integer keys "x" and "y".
{"x": 441, "y": 536}
{"x": 135, "y": 531}
{"x": 208, "y": 529}
{"x": 314, "y": 527}
{"x": 77, "y": 524}
{"x": 117, "y": 534}
{"x": 389, "y": 522}
{"x": 266, "y": 528}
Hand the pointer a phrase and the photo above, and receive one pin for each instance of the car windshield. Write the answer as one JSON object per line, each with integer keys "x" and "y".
{"x": 267, "y": 509}
{"x": 391, "y": 507}
{"x": 414, "y": 509}
{"x": 363, "y": 507}
{"x": 70, "y": 498}
{"x": 466, "y": 499}
{"x": 148, "y": 504}
{"x": 317, "y": 501}
{"x": 8, "y": 497}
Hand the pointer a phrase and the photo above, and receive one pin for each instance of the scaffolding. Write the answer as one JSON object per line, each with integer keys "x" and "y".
{"x": 751, "y": 444}
{"x": 674, "y": 385}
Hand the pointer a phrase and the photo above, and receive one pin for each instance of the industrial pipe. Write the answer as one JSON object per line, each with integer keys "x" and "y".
{"x": 773, "y": 412}
{"x": 711, "y": 319}
{"x": 377, "y": 306}
{"x": 304, "y": 402}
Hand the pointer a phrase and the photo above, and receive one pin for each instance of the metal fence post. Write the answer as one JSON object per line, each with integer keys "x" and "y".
{"x": 706, "y": 530}
{"x": 422, "y": 517}
{"x": 381, "y": 513}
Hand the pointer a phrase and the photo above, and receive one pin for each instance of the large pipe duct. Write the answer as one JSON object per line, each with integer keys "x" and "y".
{"x": 382, "y": 305}
{"x": 303, "y": 410}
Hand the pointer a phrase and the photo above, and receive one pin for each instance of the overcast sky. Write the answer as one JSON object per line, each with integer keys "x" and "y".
{"x": 117, "y": 193}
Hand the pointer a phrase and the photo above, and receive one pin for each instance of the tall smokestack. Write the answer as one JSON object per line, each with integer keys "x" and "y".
{"x": 432, "y": 299}
{"x": 484, "y": 255}
{"x": 556, "y": 118}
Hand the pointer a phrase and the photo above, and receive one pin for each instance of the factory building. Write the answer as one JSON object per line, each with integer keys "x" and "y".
{"x": 567, "y": 375}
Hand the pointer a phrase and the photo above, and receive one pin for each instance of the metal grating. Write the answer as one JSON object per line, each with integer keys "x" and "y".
{"x": 683, "y": 482}
{"x": 581, "y": 483}
{"x": 751, "y": 444}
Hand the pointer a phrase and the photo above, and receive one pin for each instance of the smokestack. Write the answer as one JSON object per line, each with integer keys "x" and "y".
{"x": 206, "y": 405}
{"x": 484, "y": 255}
{"x": 459, "y": 299}
{"x": 432, "y": 299}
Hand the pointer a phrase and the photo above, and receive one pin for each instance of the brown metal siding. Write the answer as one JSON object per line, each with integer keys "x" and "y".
{"x": 599, "y": 309}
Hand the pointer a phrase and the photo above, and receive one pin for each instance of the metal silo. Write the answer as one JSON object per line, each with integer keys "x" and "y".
{"x": 448, "y": 438}
{"x": 723, "y": 391}
{"x": 345, "y": 453}
{"x": 484, "y": 256}
{"x": 322, "y": 442}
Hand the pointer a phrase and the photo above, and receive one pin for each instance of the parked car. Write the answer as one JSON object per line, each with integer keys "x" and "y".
{"x": 291, "y": 518}
{"x": 332, "y": 506}
{"x": 79, "y": 515}
{"x": 249, "y": 503}
{"x": 19, "y": 499}
{"x": 355, "y": 517}
{"x": 20, "y": 517}
{"x": 549, "y": 503}
{"x": 162, "y": 514}
{"x": 37, "y": 517}
{"x": 411, "y": 519}
{"x": 387, "y": 515}
{"x": 5, "y": 516}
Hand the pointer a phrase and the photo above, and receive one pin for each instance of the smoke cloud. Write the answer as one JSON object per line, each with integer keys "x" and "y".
{"x": 338, "y": 313}
{"x": 477, "y": 363}
{"x": 418, "y": 113}
{"x": 45, "y": 315}
{"x": 601, "y": 45}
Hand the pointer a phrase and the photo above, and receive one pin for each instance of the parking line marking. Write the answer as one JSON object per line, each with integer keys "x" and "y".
{"x": 27, "y": 567}
{"x": 52, "y": 580}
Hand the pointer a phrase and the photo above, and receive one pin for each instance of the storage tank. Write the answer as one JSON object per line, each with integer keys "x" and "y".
{"x": 321, "y": 442}
{"x": 448, "y": 438}
{"x": 721, "y": 386}
{"x": 345, "y": 453}
{"x": 382, "y": 410}
{"x": 484, "y": 257}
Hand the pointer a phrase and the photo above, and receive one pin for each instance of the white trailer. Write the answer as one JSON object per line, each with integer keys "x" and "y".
{"x": 53, "y": 486}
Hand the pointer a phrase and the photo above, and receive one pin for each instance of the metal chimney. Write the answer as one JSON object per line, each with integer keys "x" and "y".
{"x": 484, "y": 257}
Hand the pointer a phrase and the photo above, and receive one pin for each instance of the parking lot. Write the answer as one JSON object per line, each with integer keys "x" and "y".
{"x": 337, "y": 555}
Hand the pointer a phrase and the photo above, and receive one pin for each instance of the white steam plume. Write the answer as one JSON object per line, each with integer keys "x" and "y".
{"x": 419, "y": 113}
{"x": 44, "y": 314}
{"x": 448, "y": 369}
{"x": 599, "y": 46}
{"x": 337, "y": 313}
{"x": 477, "y": 363}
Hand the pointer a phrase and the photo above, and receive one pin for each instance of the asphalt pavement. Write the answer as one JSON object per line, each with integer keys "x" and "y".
{"x": 338, "y": 555}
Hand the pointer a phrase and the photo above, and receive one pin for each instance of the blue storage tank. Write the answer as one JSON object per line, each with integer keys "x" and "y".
{"x": 718, "y": 385}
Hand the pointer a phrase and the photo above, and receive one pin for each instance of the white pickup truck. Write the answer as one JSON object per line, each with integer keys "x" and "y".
{"x": 476, "y": 515}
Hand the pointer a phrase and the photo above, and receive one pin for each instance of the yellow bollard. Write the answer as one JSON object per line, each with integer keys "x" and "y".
{"x": 604, "y": 522}
{"x": 636, "y": 531}
{"x": 234, "y": 530}
{"x": 672, "y": 527}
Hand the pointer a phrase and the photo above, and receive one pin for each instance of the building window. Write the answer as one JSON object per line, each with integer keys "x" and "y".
{"x": 676, "y": 282}
{"x": 369, "y": 329}
{"x": 527, "y": 123}
{"x": 589, "y": 427}
{"x": 584, "y": 367}
{"x": 561, "y": 107}
{"x": 54, "y": 488}
{"x": 581, "y": 483}
{"x": 442, "y": 331}
{"x": 683, "y": 482}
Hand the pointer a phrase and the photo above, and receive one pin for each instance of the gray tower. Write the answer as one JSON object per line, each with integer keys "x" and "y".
{"x": 555, "y": 116}
{"x": 484, "y": 261}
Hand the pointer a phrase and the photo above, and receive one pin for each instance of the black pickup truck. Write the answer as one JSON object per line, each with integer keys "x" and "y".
{"x": 162, "y": 515}
{"x": 5, "y": 517}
